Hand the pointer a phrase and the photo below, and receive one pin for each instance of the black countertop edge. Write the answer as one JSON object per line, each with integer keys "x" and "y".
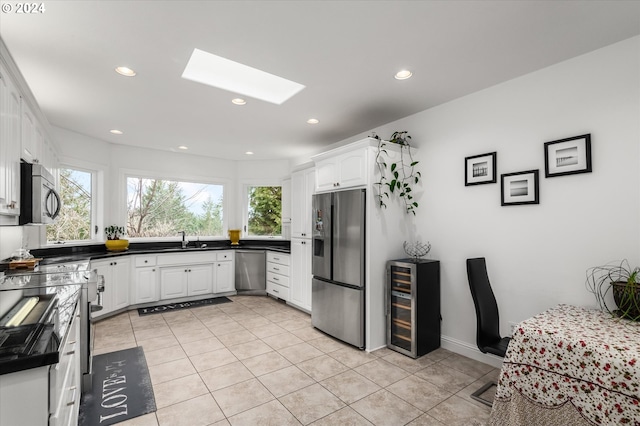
{"x": 47, "y": 353}
{"x": 98, "y": 251}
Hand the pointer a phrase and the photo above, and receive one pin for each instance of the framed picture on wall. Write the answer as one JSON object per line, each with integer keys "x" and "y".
{"x": 480, "y": 169}
{"x": 520, "y": 188}
{"x": 567, "y": 156}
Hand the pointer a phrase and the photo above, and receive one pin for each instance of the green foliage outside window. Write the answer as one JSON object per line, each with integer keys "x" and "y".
{"x": 161, "y": 208}
{"x": 74, "y": 221}
{"x": 265, "y": 211}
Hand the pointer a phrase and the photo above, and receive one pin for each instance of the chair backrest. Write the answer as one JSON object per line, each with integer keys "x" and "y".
{"x": 488, "y": 331}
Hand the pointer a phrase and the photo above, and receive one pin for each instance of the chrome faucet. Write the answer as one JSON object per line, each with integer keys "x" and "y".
{"x": 184, "y": 240}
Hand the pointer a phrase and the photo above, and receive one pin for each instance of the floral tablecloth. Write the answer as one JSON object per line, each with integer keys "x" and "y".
{"x": 571, "y": 360}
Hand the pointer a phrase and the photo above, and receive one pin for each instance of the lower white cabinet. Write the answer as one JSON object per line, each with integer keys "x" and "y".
{"x": 278, "y": 275}
{"x": 186, "y": 280}
{"x": 300, "y": 282}
{"x": 116, "y": 284}
{"x": 145, "y": 280}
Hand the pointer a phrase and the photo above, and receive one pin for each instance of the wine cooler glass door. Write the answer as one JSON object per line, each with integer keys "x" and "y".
{"x": 401, "y": 327}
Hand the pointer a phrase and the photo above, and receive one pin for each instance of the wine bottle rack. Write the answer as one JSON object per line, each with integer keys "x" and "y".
{"x": 413, "y": 306}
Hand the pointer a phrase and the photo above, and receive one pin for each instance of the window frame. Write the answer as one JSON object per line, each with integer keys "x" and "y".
{"x": 123, "y": 213}
{"x": 97, "y": 201}
{"x": 245, "y": 209}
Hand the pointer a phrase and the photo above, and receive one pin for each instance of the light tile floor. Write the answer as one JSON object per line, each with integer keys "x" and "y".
{"x": 257, "y": 361}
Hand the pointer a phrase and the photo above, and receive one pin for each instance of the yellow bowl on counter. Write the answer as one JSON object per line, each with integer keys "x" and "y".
{"x": 117, "y": 245}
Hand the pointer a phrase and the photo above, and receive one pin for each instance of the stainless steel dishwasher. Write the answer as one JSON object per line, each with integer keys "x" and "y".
{"x": 251, "y": 271}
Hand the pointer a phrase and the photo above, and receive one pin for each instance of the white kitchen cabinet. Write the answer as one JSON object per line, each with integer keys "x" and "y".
{"x": 146, "y": 285}
{"x": 302, "y": 188}
{"x": 224, "y": 271}
{"x": 10, "y": 123}
{"x": 186, "y": 280}
{"x": 173, "y": 282}
{"x": 116, "y": 284}
{"x": 200, "y": 280}
{"x": 31, "y": 135}
{"x": 145, "y": 279}
{"x": 225, "y": 277}
{"x": 341, "y": 170}
{"x": 286, "y": 201}
{"x": 300, "y": 282}
{"x": 278, "y": 280}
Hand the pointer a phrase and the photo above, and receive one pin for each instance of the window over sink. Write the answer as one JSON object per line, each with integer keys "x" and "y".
{"x": 162, "y": 208}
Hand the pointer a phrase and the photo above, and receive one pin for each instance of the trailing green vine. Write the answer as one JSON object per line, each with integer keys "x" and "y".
{"x": 403, "y": 173}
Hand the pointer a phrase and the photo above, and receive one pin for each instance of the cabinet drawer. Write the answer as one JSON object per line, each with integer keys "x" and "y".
{"x": 62, "y": 373}
{"x": 277, "y": 268}
{"x": 281, "y": 258}
{"x": 278, "y": 279}
{"x": 278, "y": 291}
{"x": 145, "y": 261}
{"x": 224, "y": 255}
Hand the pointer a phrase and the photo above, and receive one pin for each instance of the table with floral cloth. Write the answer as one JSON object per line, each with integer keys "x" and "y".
{"x": 570, "y": 366}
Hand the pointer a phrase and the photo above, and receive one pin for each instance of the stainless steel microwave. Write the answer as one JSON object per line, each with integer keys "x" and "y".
{"x": 39, "y": 200}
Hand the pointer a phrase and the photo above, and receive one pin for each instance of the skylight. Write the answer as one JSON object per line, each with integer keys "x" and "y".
{"x": 212, "y": 70}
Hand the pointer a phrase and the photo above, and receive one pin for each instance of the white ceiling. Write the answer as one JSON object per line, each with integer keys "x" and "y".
{"x": 344, "y": 52}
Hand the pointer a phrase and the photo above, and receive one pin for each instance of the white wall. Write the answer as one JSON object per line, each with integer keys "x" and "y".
{"x": 118, "y": 160}
{"x": 537, "y": 255}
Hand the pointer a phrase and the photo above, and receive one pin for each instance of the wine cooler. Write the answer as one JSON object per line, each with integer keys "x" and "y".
{"x": 413, "y": 306}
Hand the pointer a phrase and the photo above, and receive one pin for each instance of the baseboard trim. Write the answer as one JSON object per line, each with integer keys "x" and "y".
{"x": 470, "y": 351}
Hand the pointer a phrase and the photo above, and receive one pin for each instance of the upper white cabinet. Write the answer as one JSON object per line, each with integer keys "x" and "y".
{"x": 9, "y": 145}
{"x": 346, "y": 170}
{"x": 302, "y": 188}
{"x": 31, "y": 136}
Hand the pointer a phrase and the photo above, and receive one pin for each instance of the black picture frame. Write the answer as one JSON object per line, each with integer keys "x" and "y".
{"x": 480, "y": 169}
{"x": 567, "y": 156}
{"x": 520, "y": 188}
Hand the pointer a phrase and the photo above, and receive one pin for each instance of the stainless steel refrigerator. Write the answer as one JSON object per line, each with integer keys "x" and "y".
{"x": 338, "y": 265}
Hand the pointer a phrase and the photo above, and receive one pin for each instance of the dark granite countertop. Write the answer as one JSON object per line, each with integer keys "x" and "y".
{"x": 64, "y": 254}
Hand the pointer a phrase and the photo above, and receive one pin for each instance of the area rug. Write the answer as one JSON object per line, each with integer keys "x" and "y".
{"x": 182, "y": 305}
{"x": 121, "y": 389}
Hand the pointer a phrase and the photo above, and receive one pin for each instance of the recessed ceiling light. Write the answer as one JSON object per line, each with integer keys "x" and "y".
{"x": 249, "y": 152}
{"x": 116, "y": 131}
{"x": 238, "y": 101}
{"x": 127, "y": 72}
{"x": 213, "y": 70}
{"x": 183, "y": 147}
{"x": 313, "y": 121}
{"x": 403, "y": 75}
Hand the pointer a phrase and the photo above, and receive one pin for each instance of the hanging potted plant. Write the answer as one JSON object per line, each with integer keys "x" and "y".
{"x": 622, "y": 281}
{"x": 114, "y": 241}
{"x": 403, "y": 174}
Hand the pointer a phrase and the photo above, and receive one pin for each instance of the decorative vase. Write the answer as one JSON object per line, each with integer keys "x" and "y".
{"x": 234, "y": 236}
{"x": 117, "y": 245}
{"x": 627, "y": 298}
